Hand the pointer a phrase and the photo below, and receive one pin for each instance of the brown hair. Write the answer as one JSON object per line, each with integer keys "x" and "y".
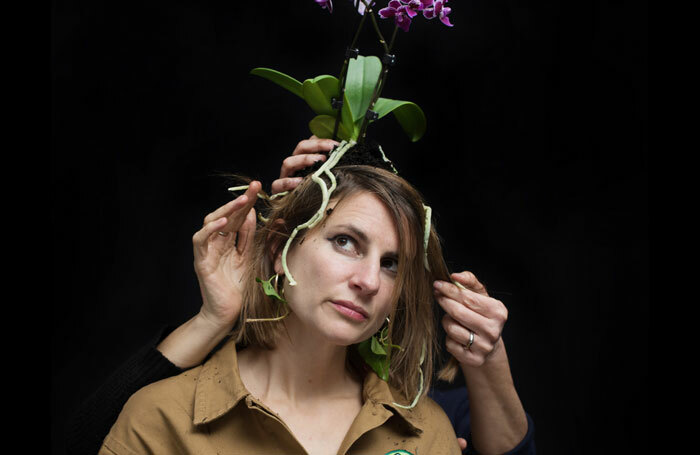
{"x": 412, "y": 316}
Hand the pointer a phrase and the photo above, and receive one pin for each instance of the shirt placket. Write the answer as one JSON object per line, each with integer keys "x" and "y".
{"x": 260, "y": 407}
{"x": 372, "y": 415}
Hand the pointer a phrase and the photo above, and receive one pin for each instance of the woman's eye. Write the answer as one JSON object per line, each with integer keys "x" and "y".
{"x": 391, "y": 264}
{"x": 343, "y": 242}
{"x": 347, "y": 244}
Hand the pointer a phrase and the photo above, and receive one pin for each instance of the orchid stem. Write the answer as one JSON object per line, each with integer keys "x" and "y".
{"x": 343, "y": 75}
{"x": 393, "y": 38}
{"x": 376, "y": 28}
{"x": 378, "y": 88}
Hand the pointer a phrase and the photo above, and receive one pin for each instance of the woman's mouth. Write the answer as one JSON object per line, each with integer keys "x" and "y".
{"x": 350, "y": 310}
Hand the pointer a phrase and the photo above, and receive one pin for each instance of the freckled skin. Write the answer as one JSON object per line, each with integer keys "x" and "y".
{"x": 327, "y": 267}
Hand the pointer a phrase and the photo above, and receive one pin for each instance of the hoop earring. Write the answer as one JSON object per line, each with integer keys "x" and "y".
{"x": 271, "y": 290}
{"x": 281, "y": 294}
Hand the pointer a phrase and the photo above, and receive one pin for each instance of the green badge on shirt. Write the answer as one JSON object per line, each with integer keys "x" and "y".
{"x": 399, "y": 452}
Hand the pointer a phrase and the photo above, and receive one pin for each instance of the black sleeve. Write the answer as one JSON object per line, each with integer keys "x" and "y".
{"x": 91, "y": 421}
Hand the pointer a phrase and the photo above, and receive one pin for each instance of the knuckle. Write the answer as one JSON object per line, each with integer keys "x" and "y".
{"x": 311, "y": 159}
{"x": 300, "y": 146}
{"x": 449, "y": 327}
{"x": 289, "y": 184}
{"x": 287, "y": 163}
{"x": 503, "y": 313}
{"x": 493, "y": 333}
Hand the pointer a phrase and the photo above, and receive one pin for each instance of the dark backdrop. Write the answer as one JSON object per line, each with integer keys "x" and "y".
{"x": 534, "y": 161}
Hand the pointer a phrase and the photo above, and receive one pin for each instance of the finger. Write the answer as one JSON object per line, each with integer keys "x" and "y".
{"x": 285, "y": 184}
{"x": 489, "y": 329}
{"x": 475, "y": 301}
{"x": 469, "y": 280}
{"x": 462, "y": 443}
{"x": 237, "y": 217}
{"x": 246, "y": 234}
{"x": 465, "y": 317}
{"x": 464, "y": 356}
{"x": 485, "y": 338}
{"x": 459, "y": 312}
{"x": 291, "y": 164}
{"x": 201, "y": 237}
{"x": 226, "y": 209}
{"x": 457, "y": 331}
{"x": 314, "y": 145}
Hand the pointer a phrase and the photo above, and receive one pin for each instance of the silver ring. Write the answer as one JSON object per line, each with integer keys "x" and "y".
{"x": 471, "y": 341}
{"x": 223, "y": 234}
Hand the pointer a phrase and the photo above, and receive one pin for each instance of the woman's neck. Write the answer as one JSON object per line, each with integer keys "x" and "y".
{"x": 300, "y": 370}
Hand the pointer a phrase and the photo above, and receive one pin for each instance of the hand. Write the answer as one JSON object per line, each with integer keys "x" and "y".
{"x": 470, "y": 310}
{"x": 462, "y": 443}
{"x": 306, "y": 153}
{"x": 222, "y": 250}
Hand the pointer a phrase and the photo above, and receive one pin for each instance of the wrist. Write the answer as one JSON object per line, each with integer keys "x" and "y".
{"x": 210, "y": 325}
{"x": 189, "y": 344}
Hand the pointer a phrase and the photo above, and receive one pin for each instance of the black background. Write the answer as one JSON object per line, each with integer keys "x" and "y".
{"x": 535, "y": 163}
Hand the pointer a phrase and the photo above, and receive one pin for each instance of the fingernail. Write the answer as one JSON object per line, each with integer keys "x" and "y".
{"x": 438, "y": 284}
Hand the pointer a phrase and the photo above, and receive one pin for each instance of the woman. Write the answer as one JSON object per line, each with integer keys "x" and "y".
{"x": 291, "y": 378}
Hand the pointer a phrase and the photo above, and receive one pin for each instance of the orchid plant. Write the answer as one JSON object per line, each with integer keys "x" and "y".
{"x": 344, "y": 106}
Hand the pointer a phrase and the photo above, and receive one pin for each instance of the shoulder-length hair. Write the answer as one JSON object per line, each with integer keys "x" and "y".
{"x": 412, "y": 319}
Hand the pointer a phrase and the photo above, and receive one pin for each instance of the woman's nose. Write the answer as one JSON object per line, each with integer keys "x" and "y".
{"x": 365, "y": 277}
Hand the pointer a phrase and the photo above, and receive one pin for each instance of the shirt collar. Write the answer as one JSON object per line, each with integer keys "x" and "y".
{"x": 379, "y": 392}
{"x": 219, "y": 388}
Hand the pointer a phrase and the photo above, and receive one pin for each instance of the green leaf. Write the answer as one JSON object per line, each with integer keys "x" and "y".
{"x": 408, "y": 114}
{"x": 377, "y": 347}
{"x": 347, "y": 120}
{"x": 379, "y": 363}
{"x": 322, "y": 126}
{"x": 269, "y": 289}
{"x": 281, "y": 79}
{"x": 318, "y": 92}
{"x": 362, "y": 76}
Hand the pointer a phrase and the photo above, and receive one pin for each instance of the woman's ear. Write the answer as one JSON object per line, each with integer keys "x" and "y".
{"x": 277, "y": 264}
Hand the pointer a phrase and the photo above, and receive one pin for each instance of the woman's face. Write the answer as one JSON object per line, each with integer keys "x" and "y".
{"x": 345, "y": 271}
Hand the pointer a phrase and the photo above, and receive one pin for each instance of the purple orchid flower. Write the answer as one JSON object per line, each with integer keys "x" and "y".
{"x": 404, "y": 10}
{"x": 325, "y": 4}
{"x": 400, "y": 11}
{"x": 438, "y": 10}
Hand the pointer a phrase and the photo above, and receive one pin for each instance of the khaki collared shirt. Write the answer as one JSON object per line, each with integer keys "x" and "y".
{"x": 207, "y": 410}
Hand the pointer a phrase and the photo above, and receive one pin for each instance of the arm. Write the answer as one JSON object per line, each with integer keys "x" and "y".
{"x": 188, "y": 345}
{"x": 498, "y": 420}
{"x": 91, "y": 421}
